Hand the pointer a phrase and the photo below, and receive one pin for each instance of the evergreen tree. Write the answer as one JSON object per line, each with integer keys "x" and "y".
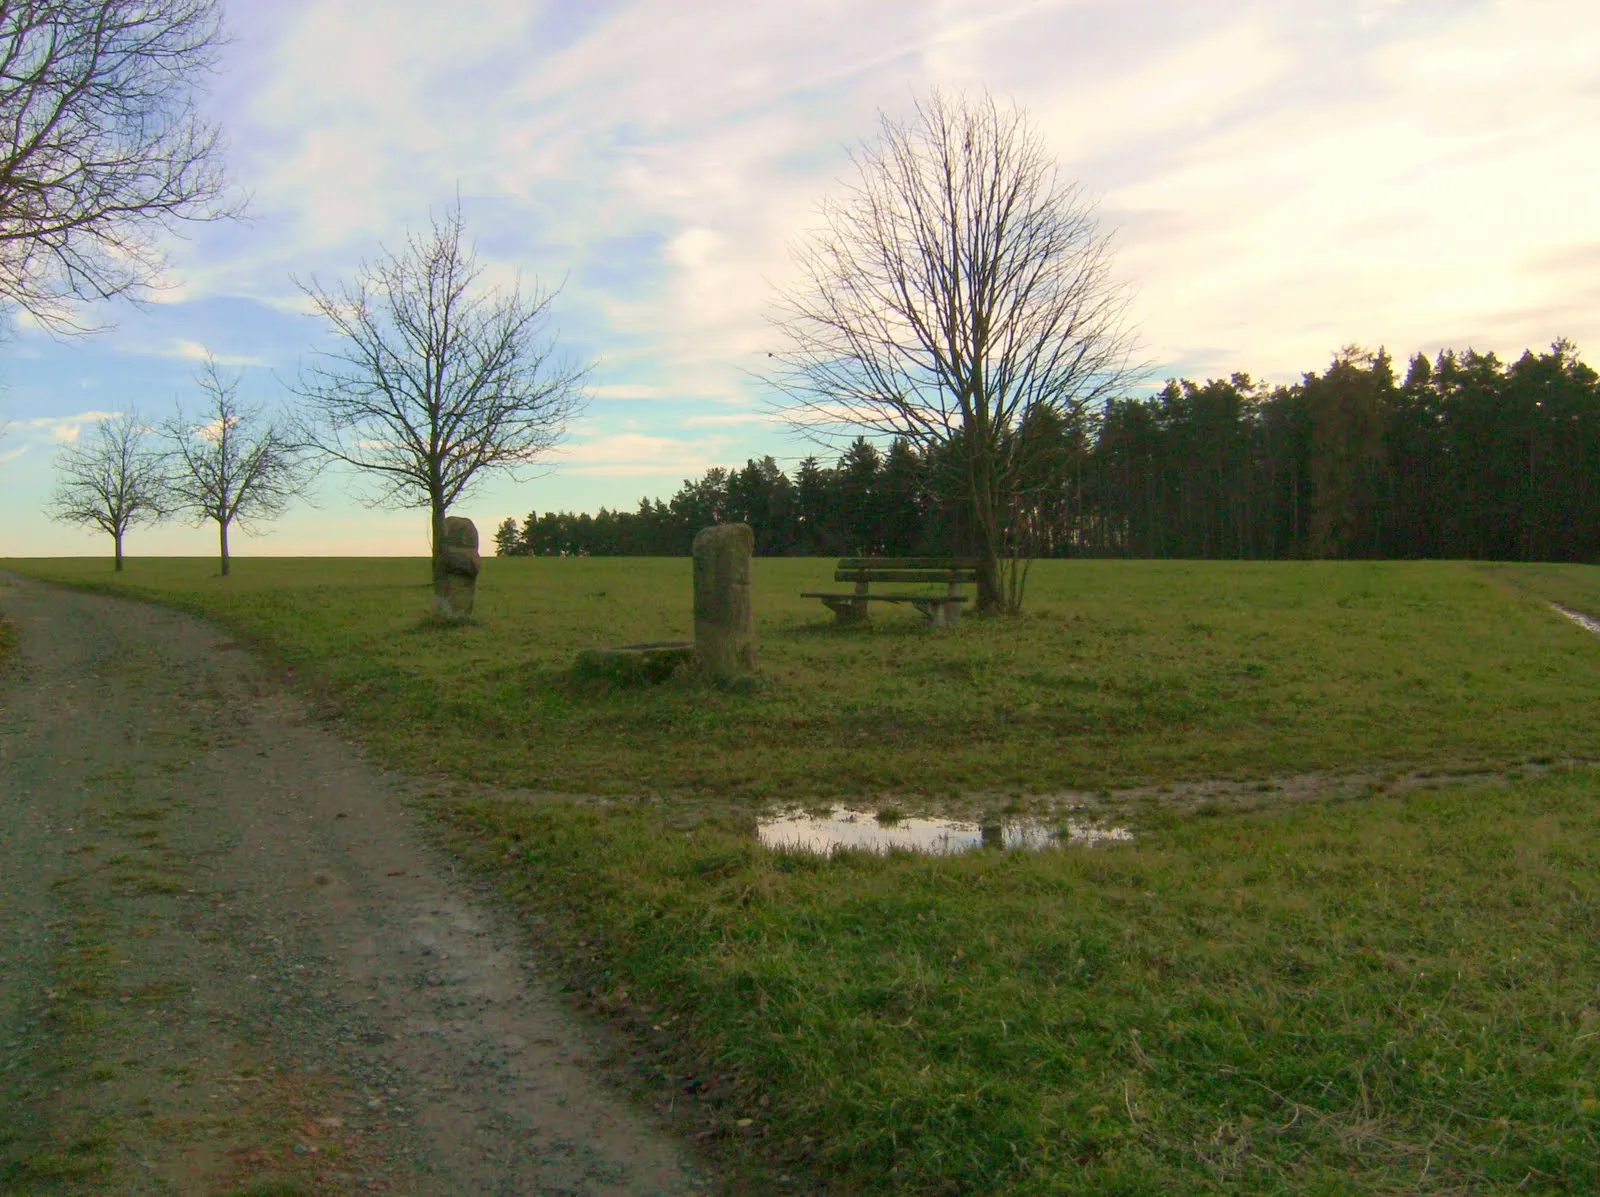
{"x": 858, "y": 500}
{"x": 508, "y": 539}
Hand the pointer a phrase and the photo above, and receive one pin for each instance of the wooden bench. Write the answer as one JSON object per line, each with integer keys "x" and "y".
{"x": 943, "y": 610}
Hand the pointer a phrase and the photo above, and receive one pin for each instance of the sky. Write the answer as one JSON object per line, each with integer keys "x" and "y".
{"x": 1281, "y": 179}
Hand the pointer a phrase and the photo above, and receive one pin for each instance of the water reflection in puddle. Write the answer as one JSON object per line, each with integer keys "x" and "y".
{"x": 1577, "y": 617}
{"x": 844, "y": 829}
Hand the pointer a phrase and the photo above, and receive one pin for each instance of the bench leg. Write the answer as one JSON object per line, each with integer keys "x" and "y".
{"x": 940, "y": 614}
{"x": 847, "y": 610}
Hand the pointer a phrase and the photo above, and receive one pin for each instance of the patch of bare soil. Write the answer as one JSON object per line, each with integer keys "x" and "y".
{"x": 1234, "y": 796}
{"x": 229, "y": 963}
{"x": 1204, "y": 797}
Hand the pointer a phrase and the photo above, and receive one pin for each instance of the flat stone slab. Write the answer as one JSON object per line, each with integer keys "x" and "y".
{"x": 635, "y": 664}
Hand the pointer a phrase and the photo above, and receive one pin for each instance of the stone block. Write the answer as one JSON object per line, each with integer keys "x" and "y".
{"x": 634, "y": 664}
{"x": 456, "y": 585}
{"x": 724, "y": 622}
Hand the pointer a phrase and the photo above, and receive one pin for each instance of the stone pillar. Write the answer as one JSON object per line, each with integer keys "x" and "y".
{"x": 724, "y": 624}
{"x": 459, "y": 565}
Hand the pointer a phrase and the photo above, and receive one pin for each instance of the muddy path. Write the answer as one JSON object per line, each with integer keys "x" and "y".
{"x": 228, "y": 960}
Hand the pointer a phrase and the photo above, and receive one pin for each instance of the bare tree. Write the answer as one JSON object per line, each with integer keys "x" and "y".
{"x": 436, "y": 381}
{"x": 101, "y": 147}
{"x": 230, "y": 465}
{"x": 957, "y": 290}
{"x": 113, "y": 480}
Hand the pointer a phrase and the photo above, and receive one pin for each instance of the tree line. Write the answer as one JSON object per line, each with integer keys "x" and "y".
{"x": 1461, "y": 456}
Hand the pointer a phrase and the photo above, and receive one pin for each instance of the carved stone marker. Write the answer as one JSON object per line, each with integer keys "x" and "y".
{"x": 459, "y": 564}
{"x": 724, "y": 624}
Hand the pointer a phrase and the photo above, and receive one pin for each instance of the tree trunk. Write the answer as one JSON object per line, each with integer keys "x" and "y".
{"x": 436, "y": 507}
{"x": 222, "y": 537}
{"x": 985, "y": 534}
{"x": 117, "y": 537}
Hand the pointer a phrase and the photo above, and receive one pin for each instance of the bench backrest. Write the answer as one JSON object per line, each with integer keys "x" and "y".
{"x": 969, "y": 563}
{"x": 950, "y": 570}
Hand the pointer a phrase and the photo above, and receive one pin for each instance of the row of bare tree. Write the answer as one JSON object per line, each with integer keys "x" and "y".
{"x": 224, "y": 464}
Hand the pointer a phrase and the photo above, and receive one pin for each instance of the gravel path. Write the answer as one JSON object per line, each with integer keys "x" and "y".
{"x": 228, "y": 959}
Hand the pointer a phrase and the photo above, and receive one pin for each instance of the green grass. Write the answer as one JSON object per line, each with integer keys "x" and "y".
{"x": 8, "y": 642}
{"x": 1120, "y": 672}
{"x": 1391, "y": 993}
{"x": 1575, "y": 587}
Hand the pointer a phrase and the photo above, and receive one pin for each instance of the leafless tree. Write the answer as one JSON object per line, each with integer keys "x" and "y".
{"x": 101, "y": 146}
{"x": 229, "y": 464}
{"x": 436, "y": 380}
{"x": 112, "y": 480}
{"x": 957, "y": 291}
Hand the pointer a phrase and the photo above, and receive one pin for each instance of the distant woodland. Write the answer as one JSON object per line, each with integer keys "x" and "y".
{"x": 1463, "y": 456}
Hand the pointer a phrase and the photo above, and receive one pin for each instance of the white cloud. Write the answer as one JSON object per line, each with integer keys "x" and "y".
{"x": 629, "y": 390}
{"x": 729, "y": 419}
{"x": 193, "y": 351}
{"x": 1414, "y": 208}
{"x": 632, "y": 453}
{"x": 1226, "y": 140}
{"x": 65, "y": 430}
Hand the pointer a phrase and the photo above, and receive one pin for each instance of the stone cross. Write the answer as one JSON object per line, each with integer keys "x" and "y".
{"x": 459, "y": 564}
{"x": 724, "y": 624}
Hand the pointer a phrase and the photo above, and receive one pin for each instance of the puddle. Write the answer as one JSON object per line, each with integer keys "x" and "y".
{"x": 1583, "y": 621}
{"x": 859, "y": 829}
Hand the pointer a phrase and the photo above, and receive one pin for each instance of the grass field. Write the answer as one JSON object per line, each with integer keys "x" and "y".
{"x": 1120, "y": 672}
{"x": 1396, "y": 992}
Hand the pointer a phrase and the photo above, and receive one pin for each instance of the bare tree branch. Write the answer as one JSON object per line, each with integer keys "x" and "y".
{"x": 229, "y": 466}
{"x": 114, "y": 480}
{"x": 101, "y": 146}
{"x": 957, "y": 288}
{"x": 436, "y": 381}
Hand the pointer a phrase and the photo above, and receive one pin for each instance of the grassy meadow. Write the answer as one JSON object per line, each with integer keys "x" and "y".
{"x": 1120, "y": 672}
{"x": 1392, "y": 992}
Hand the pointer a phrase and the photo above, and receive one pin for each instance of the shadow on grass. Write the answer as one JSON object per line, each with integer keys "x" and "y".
{"x": 432, "y": 623}
{"x": 899, "y": 629}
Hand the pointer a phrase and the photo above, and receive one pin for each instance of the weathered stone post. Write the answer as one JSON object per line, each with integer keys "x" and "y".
{"x": 724, "y": 623}
{"x": 459, "y": 565}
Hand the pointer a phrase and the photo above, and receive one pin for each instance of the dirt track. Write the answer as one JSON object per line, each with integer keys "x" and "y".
{"x": 227, "y": 956}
